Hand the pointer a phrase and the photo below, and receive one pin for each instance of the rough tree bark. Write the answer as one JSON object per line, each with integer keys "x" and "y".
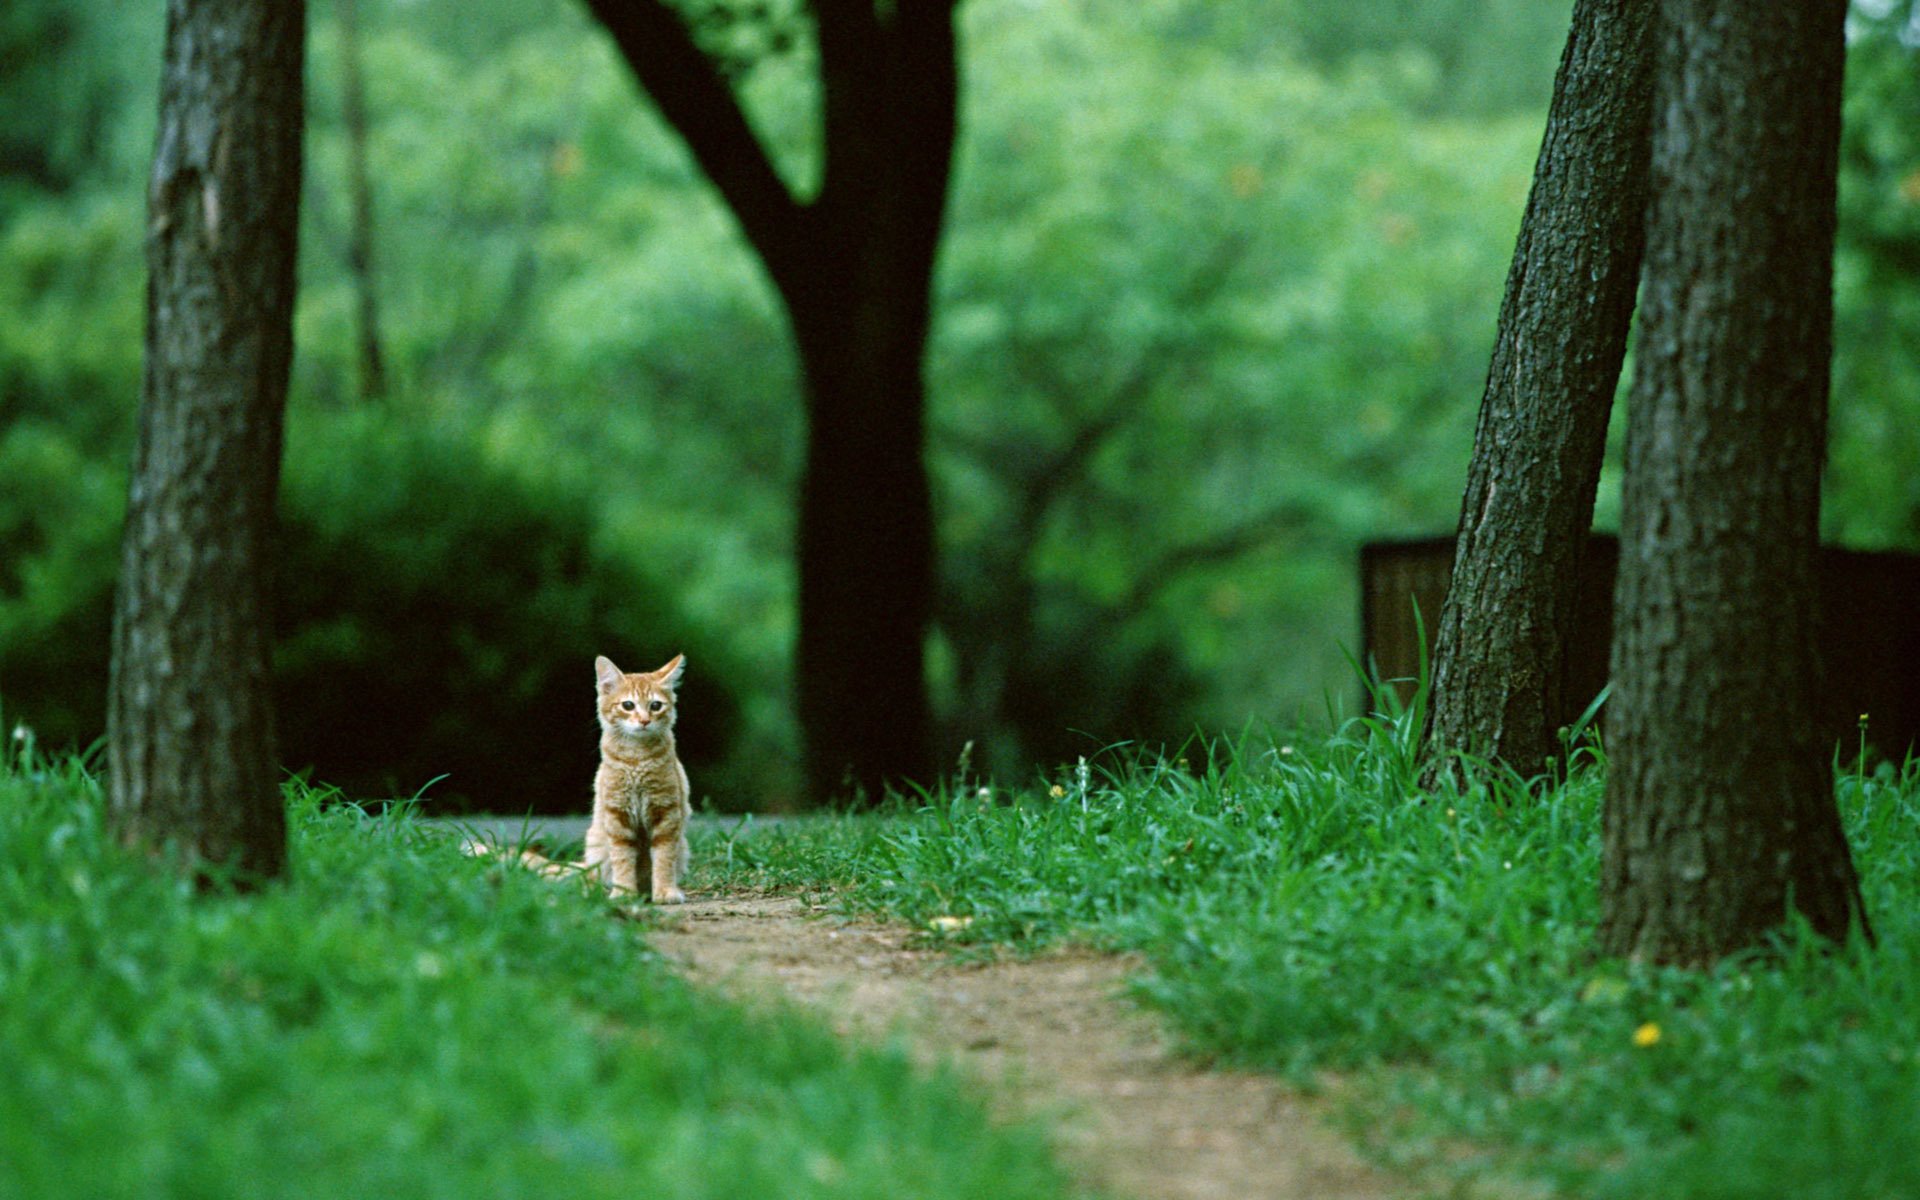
{"x": 190, "y": 730}
{"x": 1720, "y": 814}
{"x": 854, "y": 267}
{"x": 1498, "y": 678}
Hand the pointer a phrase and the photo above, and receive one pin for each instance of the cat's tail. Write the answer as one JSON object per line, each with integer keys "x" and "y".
{"x": 532, "y": 859}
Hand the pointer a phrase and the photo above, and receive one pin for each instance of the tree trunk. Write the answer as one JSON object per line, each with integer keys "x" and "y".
{"x": 353, "y": 102}
{"x": 192, "y": 772}
{"x": 865, "y": 559}
{"x": 861, "y": 307}
{"x": 854, "y": 267}
{"x": 1720, "y": 813}
{"x": 1499, "y": 678}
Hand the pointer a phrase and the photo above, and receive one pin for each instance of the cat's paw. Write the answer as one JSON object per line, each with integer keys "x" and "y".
{"x": 670, "y": 896}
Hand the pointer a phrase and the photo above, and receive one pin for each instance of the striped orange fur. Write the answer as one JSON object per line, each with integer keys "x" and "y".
{"x": 637, "y": 840}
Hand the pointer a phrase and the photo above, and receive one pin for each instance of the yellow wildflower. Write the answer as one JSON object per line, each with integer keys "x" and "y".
{"x": 1056, "y": 791}
{"x": 1646, "y": 1035}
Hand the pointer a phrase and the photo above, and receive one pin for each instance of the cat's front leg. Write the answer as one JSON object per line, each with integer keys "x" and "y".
{"x": 669, "y": 856}
{"x": 624, "y": 867}
{"x": 616, "y": 855}
{"x": 643, "y": 872}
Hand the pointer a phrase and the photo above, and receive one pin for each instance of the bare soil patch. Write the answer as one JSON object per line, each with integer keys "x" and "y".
{"x": 1051, "y": 1036}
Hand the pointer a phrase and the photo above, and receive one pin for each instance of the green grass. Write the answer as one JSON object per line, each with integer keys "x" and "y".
{"x": 1309, "y": 908}
{"x": 400, "y": 1021}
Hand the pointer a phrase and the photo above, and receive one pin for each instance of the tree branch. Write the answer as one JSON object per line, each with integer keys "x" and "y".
{"x": 1151, "y": 368}
{"x": 851, "y": 99}
{"x": 697, "y": 101}
{"x": 925, "y": 62}
{"x": 1284, "y": 518}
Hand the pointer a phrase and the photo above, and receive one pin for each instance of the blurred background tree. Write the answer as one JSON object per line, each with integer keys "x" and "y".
{"x": 1214, "y": 307}
{"x": 848, "y": 239}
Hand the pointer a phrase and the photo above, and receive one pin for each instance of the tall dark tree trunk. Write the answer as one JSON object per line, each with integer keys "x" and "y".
{"x": 1720, "y": 814}
{"x": 190, "y": 729}
{"x": 1499, "y": 676}
{"x": 866, "y": 558}
{"x": 353, "y": 103}
{"x": 854, "y": 267}
{"x": 861, "y": 308}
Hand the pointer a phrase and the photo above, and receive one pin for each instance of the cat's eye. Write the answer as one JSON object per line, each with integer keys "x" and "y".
{"x": 657, "y": 705}
{"x": 627, "y": 704}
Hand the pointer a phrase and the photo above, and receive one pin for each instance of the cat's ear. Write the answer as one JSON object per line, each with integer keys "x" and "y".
{"x": 607, "y": 674}
{"x": 671, "y": 673}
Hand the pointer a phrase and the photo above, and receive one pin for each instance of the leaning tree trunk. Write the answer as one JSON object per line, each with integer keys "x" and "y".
{"x": 1499, "y": 671}
{"x": 1720, "y": 814}
{"x": 190, "y": 726}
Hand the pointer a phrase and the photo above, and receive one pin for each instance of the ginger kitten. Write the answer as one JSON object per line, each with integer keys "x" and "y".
{"x": 637, "y": 841}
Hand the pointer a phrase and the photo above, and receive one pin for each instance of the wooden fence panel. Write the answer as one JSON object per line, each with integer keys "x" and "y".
{"x": 1869, "y": 642}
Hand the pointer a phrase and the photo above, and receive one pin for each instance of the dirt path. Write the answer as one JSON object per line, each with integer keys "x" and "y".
{"x": 1052, "y": 1036}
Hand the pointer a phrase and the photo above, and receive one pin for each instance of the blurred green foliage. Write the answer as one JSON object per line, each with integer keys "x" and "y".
{"x": 69, "y": 75}
{"x": 1873, "y": 477}
{"x": 438, "y": 615}
{"x": 1214, "y": 307}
